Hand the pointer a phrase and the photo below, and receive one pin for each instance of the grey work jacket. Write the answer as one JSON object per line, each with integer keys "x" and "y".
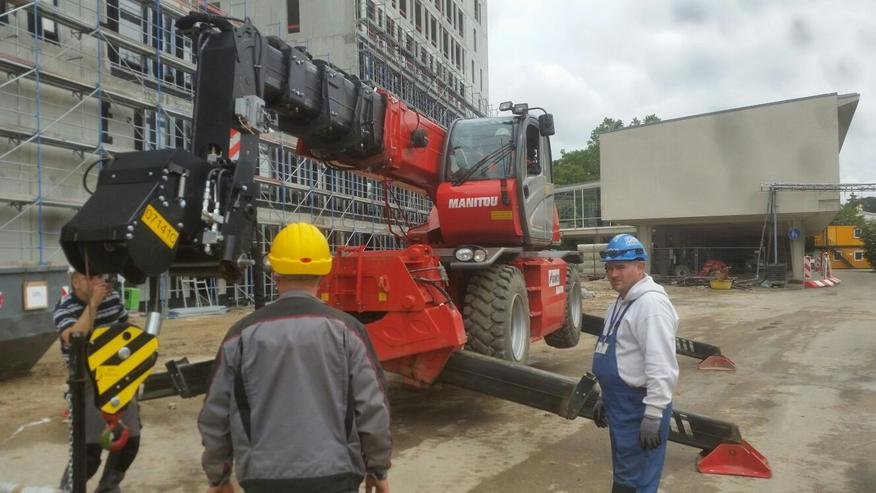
{"x": 297, "y": 401}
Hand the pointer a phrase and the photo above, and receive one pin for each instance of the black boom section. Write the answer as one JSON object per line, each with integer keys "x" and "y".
{"x": 336, "y": 113}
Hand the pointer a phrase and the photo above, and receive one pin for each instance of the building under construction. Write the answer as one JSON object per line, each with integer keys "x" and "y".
{"x": 89, "y": 78}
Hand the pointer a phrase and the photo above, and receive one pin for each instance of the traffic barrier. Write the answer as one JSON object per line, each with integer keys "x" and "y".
{"x": 829, "y": 271}
{"x": 815, "y": 269}
{"x": 811, "y": 263}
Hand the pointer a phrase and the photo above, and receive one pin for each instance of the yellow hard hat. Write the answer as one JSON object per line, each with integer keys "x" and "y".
{"x": 300, "y": 250}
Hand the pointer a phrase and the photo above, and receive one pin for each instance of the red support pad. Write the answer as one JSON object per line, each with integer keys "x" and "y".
{"x": 735, "y": 459}
{"x": 717, "y": 362}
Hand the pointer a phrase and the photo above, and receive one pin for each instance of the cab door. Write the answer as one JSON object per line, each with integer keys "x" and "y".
{"x": 537, "y": 191}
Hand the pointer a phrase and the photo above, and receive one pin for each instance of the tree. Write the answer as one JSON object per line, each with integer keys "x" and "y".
{"x": 607, "y": 125}
{"x": 849, "y": 214}
{"x": 868, "y": 235}
{"x": 649, "y": 119}
{"x": 582, "y": 165}
{"x": 577, "y": 166}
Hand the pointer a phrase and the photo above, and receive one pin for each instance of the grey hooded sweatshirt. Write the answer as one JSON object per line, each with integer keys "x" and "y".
{"x": 646, "y": 343}
{"x": 297, "y": 401}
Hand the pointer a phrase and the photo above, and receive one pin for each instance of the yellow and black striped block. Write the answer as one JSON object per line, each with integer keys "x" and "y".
{"x": 120, "y": 357}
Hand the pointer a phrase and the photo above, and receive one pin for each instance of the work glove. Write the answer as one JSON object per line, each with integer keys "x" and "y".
{"x": 599, "y": 416}
{"x": 649, "y": 432}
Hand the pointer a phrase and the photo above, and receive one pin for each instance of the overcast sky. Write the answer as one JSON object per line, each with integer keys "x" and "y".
{"x": 584, "y": 60}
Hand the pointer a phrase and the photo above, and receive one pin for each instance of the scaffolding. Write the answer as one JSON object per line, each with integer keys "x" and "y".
{"x": 89, "y": 78}
{"x": 393, "y": 56}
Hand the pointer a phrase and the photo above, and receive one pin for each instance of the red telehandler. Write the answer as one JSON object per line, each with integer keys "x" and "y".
{"x": 479, "y": 274}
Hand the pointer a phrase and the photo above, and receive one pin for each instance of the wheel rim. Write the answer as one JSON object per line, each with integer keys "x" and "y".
{"x": 519, "y": 336}
{"x": 575, "y": 305}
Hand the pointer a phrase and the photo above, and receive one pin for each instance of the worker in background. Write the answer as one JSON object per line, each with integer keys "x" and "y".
{"x": 637, "y": 369}
{"x": 93, "y": 303}
{"x": 297, "y": 398}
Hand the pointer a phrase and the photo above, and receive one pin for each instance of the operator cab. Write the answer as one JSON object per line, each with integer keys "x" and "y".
{"x": 480, "y": 149}
{"x": 486, "y": 148}
{"x": 499, "y": 170}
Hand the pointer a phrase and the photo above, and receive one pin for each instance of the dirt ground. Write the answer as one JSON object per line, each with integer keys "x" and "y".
{"x": 804, "y": 395}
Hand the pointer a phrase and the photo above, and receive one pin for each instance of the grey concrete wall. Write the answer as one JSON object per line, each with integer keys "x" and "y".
{"x": 327, "y": 28}
{"x": 713, "y": 165}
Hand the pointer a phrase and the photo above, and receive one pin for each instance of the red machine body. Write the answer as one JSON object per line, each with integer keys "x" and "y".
{"x": 400, "y": 294}
{"x": 475, "y": 213}
{"x": 400, "y": 160}
{"x": 409, "y": 304}
{"x": 545, "y": 285}
{"x": 484, "y": 196}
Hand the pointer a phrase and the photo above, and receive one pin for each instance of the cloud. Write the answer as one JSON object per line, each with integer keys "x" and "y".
{"x": 584, "y": 61}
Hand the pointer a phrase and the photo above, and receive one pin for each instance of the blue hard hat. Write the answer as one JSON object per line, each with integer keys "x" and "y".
{"x": 623, "y": 248}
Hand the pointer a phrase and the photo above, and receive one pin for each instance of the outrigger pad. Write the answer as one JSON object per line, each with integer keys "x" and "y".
{"x": 735, "y": 459}
{"x": 717, "y": 362}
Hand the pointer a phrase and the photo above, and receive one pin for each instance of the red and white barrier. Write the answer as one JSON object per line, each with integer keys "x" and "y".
{"x": 829, "y": 270}
{"x": 808, "y": 281}
{"x": 817, "y": 272}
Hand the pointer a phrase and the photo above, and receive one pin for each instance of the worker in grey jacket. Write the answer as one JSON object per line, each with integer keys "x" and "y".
{"x": 297, "y": 400}
{"x": 637, "y": 368}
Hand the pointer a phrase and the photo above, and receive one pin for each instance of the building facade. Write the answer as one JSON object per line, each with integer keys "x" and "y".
{"x": 845, "y": 246}
{"x": 84, "y": 79}
{"x": 696, "y": 188}
{"x": 431, "y": 53}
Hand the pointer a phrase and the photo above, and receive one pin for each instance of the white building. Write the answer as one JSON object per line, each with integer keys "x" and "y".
{"x": 693, "y": 186}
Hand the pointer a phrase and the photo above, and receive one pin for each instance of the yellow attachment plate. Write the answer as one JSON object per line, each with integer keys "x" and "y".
{"x": 160, "y": 226}
{"x": 120, "y": 357}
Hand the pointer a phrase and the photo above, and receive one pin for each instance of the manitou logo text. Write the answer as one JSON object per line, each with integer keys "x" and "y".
{"x": 473, "y": 202}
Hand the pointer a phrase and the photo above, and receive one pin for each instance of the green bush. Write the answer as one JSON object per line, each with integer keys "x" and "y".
{"x": 868, "y": 234}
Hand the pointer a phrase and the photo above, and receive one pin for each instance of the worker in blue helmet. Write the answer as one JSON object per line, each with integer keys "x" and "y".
{"x": 637, "y": 369}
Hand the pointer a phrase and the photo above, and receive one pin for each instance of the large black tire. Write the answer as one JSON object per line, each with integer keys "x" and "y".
{"x": 568, "y": 335}
{"x": 496, "y": 314}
